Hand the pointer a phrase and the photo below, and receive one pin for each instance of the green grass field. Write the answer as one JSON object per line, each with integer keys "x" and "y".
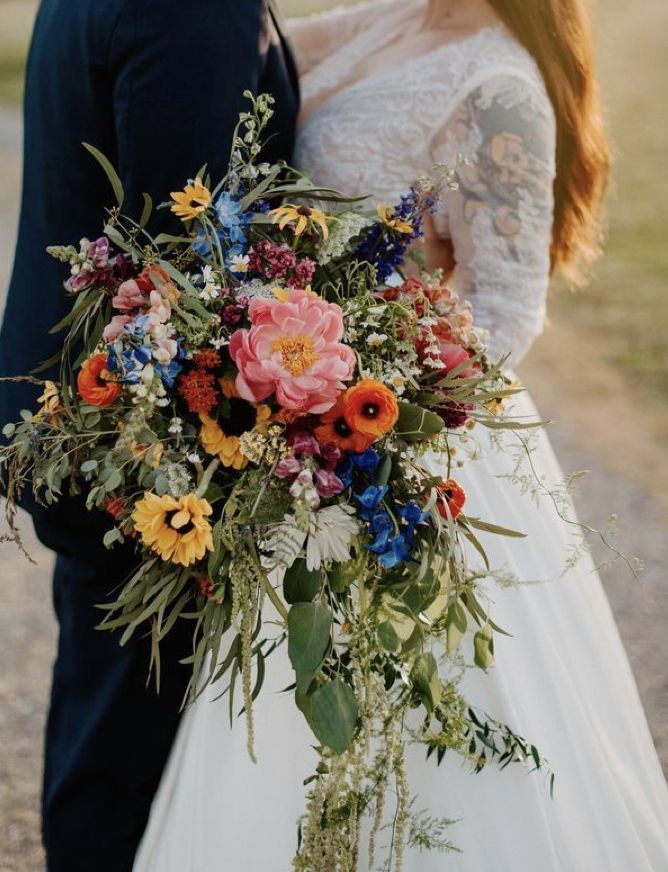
{"x": 625, "y": 304}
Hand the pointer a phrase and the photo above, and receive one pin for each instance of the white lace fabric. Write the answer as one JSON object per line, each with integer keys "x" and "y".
{"x": 481, "y": 97}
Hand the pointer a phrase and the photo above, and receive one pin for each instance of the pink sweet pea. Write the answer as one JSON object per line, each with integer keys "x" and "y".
{"x": 115, "y": 327}
{"x": 452, "y": 356}
{"x": 294, "y": 350}
{"x": 130, "y": 296}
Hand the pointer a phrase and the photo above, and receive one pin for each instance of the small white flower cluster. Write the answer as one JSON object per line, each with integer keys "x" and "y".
{"x": 149, "y": 391}
{"x": 211, "y": 284}
{"x": 346, "y": 227}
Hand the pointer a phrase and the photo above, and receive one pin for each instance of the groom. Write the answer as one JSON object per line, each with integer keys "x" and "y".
{"x": 157, "y": 86}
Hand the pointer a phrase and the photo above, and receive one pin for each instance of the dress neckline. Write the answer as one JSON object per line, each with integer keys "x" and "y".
{"x": 379, "y": 75}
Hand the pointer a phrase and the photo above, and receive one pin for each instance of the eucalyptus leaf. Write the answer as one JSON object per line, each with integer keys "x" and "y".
{"x": 309, "y": 627}
{"x": 426, "y": 680}
{"x": 483, "y": 646}
{"x": 332, "y": 714}
{"x": 416, "y": 424}
{"x": 300, "y": 584}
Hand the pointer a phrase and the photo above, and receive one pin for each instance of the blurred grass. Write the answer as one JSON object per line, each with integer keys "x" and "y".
{"x": 626, "y": 302}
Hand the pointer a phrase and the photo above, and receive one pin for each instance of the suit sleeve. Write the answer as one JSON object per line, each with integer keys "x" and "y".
{"x": 179, "y": 72}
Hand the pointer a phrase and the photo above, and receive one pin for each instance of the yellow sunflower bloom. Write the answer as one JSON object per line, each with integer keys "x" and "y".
{"x": 393, "y": 222}
{"x": 223, "y": 439}
{"x": 191, "y": 201}
{"x": 51, "y": 404}
{"x": 176, "y": 529}
{"x": 301, "y": 218}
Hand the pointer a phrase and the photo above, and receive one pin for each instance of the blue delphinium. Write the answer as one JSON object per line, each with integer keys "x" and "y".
{"x": 386, "y": 250}
{"x": 232, "y": 219}
{"x": 391, "y": 550}
{"x": 366, "y": 461}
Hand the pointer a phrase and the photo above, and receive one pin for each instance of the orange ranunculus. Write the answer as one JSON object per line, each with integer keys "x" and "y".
{"x": 94, "y": 384}
{"x": 451, "y": 499}
{"x": 333, "y": 429}
{"x": 370, "y": 408}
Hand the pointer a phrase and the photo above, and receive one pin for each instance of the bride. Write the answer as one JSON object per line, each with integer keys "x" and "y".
{"x": 391, "y": 88}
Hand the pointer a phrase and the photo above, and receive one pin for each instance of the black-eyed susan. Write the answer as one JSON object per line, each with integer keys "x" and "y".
{"x": 222, "y": 438}
{"x": 392, "y": 220}
{"x": 302, "y": 218}
{"x": 194, "y": 199}
{"x": 175, "y": 529}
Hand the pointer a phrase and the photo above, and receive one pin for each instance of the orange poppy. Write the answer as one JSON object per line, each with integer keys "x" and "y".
{"x": 94, "y": 382}
{"x": 370, "y": 408}
{"x": 451, "y": 499}
{"x": 333, "y": 429}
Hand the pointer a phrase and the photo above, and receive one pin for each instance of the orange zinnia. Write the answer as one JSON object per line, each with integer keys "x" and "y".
{"x": 370, "y": 408}
{"x": 94, "y": 384}
{"x": 333, "y": 429}
{"x": 451, "y": 499}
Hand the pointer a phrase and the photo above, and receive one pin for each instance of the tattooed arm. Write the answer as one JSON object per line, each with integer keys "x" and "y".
{"x": 498, "y": 225}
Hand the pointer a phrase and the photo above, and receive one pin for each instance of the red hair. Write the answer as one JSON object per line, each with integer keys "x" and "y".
{"x": 558, "y": 34}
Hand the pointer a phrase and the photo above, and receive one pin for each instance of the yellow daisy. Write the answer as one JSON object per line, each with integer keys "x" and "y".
{"x": 51, "y": 404}
{"x": 393, "y": 222}
{"x": 222, "y": 439}
{"x": 302, "y": 217}
{"x": 176, "y": 529}
{"x": 191, "y": 201}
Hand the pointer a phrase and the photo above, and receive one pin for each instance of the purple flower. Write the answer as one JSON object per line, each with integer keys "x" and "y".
{"x": 98, "y": 252}
{"x": 304, "y": 443}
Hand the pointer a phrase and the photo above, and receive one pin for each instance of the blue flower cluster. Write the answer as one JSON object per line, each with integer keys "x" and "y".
{"x": 387, "y": 250}
{"x": 132, "y": 351}
{"x": 233, "y": 224}
{"x": 367, "y": 462}
{"x": 395, "y": 537}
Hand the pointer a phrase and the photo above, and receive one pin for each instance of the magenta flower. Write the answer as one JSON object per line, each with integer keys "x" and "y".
{"x": 328, "y": 484}
{"x": 294, "y": 350}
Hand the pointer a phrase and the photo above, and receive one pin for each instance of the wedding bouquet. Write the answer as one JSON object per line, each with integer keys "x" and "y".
{"x": 254, "y": 403}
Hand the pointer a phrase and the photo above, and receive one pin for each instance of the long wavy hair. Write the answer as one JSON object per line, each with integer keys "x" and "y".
{"x": 558, "y": 34}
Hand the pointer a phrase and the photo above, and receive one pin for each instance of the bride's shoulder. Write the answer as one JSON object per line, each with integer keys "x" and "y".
{"x": 351, "y": 15}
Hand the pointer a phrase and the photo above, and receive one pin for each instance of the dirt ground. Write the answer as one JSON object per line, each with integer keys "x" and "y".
{"x": 610, "y": 436}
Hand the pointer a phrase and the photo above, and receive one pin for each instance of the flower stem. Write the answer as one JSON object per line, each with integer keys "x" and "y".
{"x": 266, "y": 584}
{"x": 205, "y": 481}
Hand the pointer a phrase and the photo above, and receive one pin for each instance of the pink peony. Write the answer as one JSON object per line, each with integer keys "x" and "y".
{"x": 294, "y": 350}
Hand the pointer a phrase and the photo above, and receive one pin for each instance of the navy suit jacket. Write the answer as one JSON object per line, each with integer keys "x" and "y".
{"x": 157, "y": 86}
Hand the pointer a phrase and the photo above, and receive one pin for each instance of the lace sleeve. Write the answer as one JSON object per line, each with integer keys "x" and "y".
{"x": 500, "y": 220}
{"x": 315, "y": 37}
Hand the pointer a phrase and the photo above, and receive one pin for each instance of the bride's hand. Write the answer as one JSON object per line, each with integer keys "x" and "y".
{"x": 439, "y": 253}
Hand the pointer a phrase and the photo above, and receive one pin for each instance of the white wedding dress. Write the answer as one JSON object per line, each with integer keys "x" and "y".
{"x": 563, "y": 679}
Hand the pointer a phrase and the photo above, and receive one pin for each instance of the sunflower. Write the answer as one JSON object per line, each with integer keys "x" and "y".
{"x": 191, "y": 201}
{"x": 222, "y": 438}
{"x": 333, "y": 429}
{"x": 451, "y": 499}
{"x": 392, "y": 220}
{"x": 176, "y": 529}
{"x": 370, "y": 408}
{"x": 302, "y": 217}
{"x": 94, "y": 385}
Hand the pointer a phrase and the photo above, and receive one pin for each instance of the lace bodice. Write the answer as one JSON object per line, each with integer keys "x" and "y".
{"x": 481, "y": 97}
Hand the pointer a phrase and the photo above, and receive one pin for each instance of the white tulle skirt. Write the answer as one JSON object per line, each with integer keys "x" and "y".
{"x": 562, "y": 680}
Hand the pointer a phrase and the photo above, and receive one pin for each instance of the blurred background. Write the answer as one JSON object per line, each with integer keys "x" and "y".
{"x": 600, "y": 373}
